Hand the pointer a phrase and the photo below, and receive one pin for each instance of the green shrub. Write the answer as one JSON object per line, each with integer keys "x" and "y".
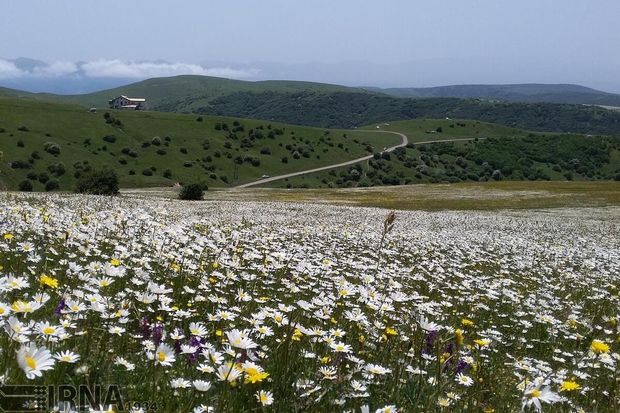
{"x": 19, "y": 164}
{"x": 103, "y": 182}
{"x": 43, "y": 177}
{"x": 25, "y": 186}
{"x": 52, "y": 148}
{"x": 52, "y": 185}
{"x": 57, "y": 169}
{"x": 192, "y": 192}
{"x": 130, "y": 152}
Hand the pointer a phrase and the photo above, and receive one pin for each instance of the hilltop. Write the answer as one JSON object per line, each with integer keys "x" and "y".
{"x": 192, "y": 93}
{"x": 333, "y": 106}
{"x": 524, "y": 93}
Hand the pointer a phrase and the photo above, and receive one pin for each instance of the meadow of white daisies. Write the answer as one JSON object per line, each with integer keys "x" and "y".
{"x": 242, "y": 307}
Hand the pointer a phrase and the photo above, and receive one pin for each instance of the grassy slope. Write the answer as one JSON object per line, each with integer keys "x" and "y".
{"x": 520, "y": 156}
{"x": 69, "y": 126}
{"x": 188, "y": 93}
{"x": 332, "y": 106}
{"x": 426, "y": 129}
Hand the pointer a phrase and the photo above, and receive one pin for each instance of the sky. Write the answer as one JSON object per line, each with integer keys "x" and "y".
{"x": 389, "y": 43}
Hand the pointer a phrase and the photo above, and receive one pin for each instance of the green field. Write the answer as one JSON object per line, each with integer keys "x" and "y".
{"x": 188, "y": 146}
{"x": 493, "y": 153}
{"x": 427, "y": 197}
{"x": 423, "y": 130}
{"x": 42, "y": 141}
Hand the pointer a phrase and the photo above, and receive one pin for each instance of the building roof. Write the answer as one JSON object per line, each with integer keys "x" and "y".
{"x": 131, "y": 99}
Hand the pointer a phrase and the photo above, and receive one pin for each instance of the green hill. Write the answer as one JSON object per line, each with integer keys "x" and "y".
{"x": 526, "y": 93}
{"x": 43, "y": 141}
{"x": 7, "y": 92}
{"x": 496, "y": 155}
{"x": 346, "y": 109}
{"x": 333, "y": 106}
{"x": 189, "y": 93}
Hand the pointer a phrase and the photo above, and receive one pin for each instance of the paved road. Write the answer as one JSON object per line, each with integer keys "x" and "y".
{"x": 404, "y": 141}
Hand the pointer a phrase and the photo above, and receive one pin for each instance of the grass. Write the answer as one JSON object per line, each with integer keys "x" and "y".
{"x": 80, "y": 136}
{"x": 430, "y": 197}
{"x": 423, "y": 130}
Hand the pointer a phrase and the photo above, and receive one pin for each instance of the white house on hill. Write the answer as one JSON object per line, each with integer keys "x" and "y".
{"x": 123, "y": 102}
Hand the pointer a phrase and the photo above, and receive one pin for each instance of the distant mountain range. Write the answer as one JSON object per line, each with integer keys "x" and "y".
{"x": 528, "y": 93}
{"x": 572, "y": 108}
{"x": 104, "y": 77}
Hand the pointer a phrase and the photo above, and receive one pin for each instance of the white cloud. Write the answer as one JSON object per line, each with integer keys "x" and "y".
{"x": 8, "y": 70}
{"x": 56, "y": 69}
{"x": 143, "y": 70}
{"x": 114, "y": 68}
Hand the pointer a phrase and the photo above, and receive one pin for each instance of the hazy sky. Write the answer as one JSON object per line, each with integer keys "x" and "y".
{"x": 363, "y": 42}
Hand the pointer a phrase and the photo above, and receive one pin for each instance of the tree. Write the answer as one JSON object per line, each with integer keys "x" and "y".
{"x": 25, "y": 186}
{"x": 192, "y": 192}
{"x": 52, "y": 185}
{"x": 104, "y": 182}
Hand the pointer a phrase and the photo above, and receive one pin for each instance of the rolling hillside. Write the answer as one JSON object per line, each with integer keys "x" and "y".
{"x": 190, "y": 93}
{"x": 42, "y": 142}
{"x": 332, "y": 106}
{"x": 503, "y": 155}
{"x": 526, "y": 93}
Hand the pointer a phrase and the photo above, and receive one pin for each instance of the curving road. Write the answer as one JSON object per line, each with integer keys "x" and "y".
{"x": 404, "y": 141}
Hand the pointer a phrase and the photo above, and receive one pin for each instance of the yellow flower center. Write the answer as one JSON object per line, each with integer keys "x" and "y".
{"x": 251, "y": 370}
{"x": 31, "y": 362}
{"x": 161, "y": 356}
{"x": 49, "y": 330}
{"x": 535, "y": 393}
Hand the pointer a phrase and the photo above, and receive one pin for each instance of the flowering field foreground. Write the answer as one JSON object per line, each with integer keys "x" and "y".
{"x": 220, "y": 306}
